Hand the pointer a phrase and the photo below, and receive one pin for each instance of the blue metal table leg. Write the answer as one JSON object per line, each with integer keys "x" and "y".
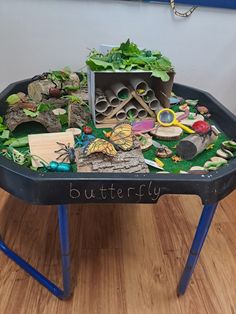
{"x": 64, "y": 239}
{"x": 200, "y": 236}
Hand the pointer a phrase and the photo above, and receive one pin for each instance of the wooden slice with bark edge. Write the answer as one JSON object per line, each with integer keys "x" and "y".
{"x": 167, "y": 133}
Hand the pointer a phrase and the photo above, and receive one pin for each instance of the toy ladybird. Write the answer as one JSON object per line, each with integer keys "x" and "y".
{"x": 202, "y": 128}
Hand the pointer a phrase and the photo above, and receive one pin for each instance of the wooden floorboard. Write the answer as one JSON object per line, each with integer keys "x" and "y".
{"x": 126, "y": 259}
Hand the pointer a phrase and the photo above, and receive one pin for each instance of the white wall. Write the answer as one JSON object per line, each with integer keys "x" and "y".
{"x": 38, "y": 35}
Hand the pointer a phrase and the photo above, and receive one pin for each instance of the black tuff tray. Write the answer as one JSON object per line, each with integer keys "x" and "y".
{"x": 66, "y": 188}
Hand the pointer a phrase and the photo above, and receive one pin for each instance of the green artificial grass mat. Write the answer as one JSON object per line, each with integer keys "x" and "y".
{"x": 169, "y": 164}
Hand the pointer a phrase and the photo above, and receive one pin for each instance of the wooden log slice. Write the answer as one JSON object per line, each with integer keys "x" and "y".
{"x": 145, "y": 141}
{"x": 167, "y": 133}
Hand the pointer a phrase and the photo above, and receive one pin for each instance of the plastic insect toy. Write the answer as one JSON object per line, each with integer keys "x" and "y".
{"x": 202, "y": 128}
{"x": 211, "y": 146}
{"x": 176, "y": 158}
{"x": 84, "y": 140}
{"x": 66, "y": 152}
{"x": 162, "y": 150}
{"x": 55, "y": 166}
{"x": 42, "y": 76}
{"x": 121, "y": 138}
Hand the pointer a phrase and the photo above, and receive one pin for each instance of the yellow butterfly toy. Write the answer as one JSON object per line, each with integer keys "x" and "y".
{"x": 121, "y": 137}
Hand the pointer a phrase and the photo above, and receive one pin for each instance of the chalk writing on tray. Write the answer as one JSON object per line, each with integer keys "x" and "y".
{"x": 115, "y": 192}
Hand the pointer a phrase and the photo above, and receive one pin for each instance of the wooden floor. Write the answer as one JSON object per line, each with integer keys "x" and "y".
{"x": 125, "y": 258}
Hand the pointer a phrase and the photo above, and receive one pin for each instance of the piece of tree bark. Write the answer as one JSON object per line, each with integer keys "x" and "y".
{"x": 37, "y": 89}
{"x": 16, "y": 116}
{"x": 124, "y": 162}
{"x": 77, "y": 116}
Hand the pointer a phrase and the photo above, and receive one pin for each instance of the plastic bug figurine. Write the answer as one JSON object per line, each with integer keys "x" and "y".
{"x": 202, "y": 128}
{"x": 66, "y": 152}
{"x": 55, "y": 166}
{"x": 84, "y": 140}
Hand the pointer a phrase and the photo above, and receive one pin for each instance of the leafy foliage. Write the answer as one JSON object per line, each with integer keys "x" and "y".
{"x": 61, "y": 75}
{"x": 30, "y": 113}
{"x": 12, "y": 99}
{"x": 43, "y": 107}
{"x": 2, "y": 126}
{"x": 129, "y": 57}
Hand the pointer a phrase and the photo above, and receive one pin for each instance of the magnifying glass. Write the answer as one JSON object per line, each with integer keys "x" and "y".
{"x": 167, "y": 117}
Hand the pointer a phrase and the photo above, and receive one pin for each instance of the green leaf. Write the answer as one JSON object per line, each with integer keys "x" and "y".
{"x": 129, "y": 49}
{"x": 10, "y": 141}
{"x": 12, "y": 99}
{"x": 30, "y": 113}
{"x": 71, "y": 88}
{"x": 44, "y": 107}
{"x": 161, "y": 74}
{"x": 1, "y": 120}
{"x": 129, "y": 57}
{"x": 98, "y": 65}
{"x": 17, "y": 142}
{"x": 5, "y": 134}
{"x": 73, "y": 98}
{"x": 2, "y": 127}
{"x": 63, "y": 119}
{"x": 59, "y": 75}
{"x": 191, "y": 102}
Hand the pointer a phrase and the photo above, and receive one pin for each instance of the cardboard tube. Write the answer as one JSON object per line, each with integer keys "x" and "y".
{"x": 121, "y": 115}
{"x": 99, "y": 118}
{"x": 111, "y": 97}
{"x": 101, "y": 104}
{"x": 154, "y": 104}
{"x": 149, "y": 95}
{"x": 142, "y": 113}
{"x": 163, "y": 89}
{"x": 130, "y": 108}
{"x": 139, "y": 85}
{"x": 121, "y": 91}
{"x": 108, "y": 111}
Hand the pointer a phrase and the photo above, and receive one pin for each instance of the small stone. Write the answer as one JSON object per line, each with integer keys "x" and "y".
{"x": 197, "y": 170}
{"x": 230, "y": 145}
{"x": 202, "y": 110}
{"x": 75, "y": 131}
{"x": 219, "y": 159}
{"x": 224, "y": 153}
{"x": 59, "y": 111}
{"x": 214, "y": 163}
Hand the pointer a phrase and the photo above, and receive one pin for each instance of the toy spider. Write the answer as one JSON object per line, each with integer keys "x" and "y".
{"x": 66, "y": 151}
